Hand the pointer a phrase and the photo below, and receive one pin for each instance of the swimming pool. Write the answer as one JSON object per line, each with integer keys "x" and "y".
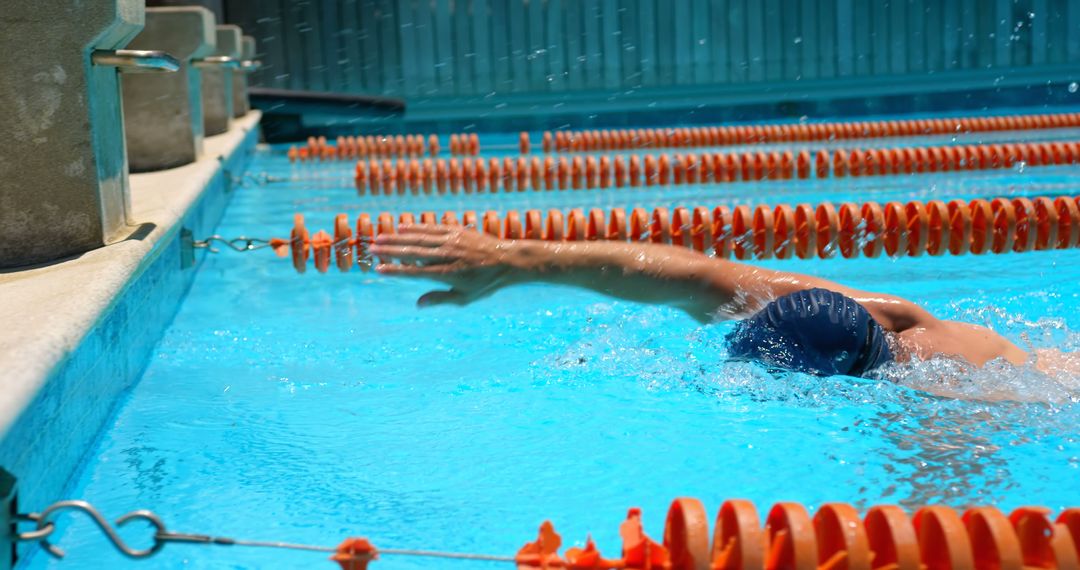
{"x": 306, "y": 408}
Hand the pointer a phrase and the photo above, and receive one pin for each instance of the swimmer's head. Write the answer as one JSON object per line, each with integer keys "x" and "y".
{"x": 815, "y": 331}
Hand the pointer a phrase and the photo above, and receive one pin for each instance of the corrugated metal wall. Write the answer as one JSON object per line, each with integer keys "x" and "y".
{"x": 422, "y": 49}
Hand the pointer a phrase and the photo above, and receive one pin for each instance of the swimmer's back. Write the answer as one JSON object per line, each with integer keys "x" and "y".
{"x": 1055, "y": 362}
{"x": 973, "y": 343}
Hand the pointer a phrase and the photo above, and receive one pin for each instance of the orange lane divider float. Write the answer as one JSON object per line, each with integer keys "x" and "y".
{"x": 834, "y": 538}
{"x": 467, "y": 175}
{"x": 347, "y": 148}
{"x": 618, "y": 139}
{"x": 846, "y": 230}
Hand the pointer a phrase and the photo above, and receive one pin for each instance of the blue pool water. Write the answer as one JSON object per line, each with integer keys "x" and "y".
{"x": 308, "y": 408}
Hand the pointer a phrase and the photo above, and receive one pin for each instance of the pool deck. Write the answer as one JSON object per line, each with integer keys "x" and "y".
{"x": 48, "y": 310}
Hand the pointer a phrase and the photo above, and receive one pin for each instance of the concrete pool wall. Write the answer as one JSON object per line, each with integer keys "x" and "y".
{"x": 77, "y": 333}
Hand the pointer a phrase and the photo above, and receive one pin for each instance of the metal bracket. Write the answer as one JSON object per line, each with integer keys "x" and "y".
{"x": 217, "y": 61}
{"x": 231, "y": 181}
{"x": 136, "y": 61}
{"x": 9, "y": 508}
{"x": 187, "y": 251}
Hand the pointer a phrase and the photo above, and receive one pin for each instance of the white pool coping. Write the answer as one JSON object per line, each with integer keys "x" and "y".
{"x": 47, "y": 310}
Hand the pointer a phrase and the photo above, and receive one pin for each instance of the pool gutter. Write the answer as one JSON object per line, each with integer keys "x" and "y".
{"x": 77, "y": 333}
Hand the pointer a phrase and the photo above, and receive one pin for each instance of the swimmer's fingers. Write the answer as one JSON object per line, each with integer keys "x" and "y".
{"x": 451, "y": 297}
{"x": 412, "y": 238}
{"x": 427, "y": 229}
{"x": 432, "y": 271}
{"x": 411, "y": 253}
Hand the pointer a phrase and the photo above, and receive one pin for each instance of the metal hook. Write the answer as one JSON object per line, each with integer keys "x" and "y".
{"x": 44, "y": 520}
{"x": 206, "y": 243}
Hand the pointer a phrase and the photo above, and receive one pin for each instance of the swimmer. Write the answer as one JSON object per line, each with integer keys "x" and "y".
{"x": 788, "y": 320}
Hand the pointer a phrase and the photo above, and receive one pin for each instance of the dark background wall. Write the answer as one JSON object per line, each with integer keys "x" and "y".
{"x": 470, "y": 49}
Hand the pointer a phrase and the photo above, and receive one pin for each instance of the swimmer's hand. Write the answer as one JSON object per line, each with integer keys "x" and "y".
{"x": 471, "y": 263}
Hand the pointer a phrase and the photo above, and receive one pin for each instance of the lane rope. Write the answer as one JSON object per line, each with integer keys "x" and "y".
{"x": 351, "y": 147}
{"x": 846, "y": 230}
{"x": 564, "y": 141}
{"x": 834, "y": 538}
{"x": 478, "y": 175}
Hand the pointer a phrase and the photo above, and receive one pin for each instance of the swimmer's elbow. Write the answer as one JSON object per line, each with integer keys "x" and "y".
{"x": 897, "y": 314}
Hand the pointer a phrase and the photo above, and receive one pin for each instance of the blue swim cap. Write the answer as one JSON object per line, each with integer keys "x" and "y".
{"x": 815, "y": 331}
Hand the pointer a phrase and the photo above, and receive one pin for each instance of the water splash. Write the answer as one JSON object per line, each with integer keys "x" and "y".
{"x": 619, "y": 345}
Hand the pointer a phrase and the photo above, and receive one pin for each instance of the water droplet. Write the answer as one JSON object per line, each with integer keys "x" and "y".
{"x": 798, "y": 40}
{"x": 1073, "y": 87}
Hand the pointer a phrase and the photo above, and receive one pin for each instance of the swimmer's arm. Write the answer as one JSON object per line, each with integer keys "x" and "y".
{"x": 644, "y": 273}
{"x": 706, "y": 288}
{"x": 475, "y": 265}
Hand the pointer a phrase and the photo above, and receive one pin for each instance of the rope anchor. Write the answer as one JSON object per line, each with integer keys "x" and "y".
{"x": 352, "y": 554}
{"x": 846, "y": 230}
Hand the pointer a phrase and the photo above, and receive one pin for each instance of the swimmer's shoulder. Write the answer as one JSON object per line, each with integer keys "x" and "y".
{"x": 893, "y": 313}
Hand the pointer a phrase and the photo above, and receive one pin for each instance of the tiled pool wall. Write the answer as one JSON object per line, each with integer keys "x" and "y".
{"x": 47, "y": 445}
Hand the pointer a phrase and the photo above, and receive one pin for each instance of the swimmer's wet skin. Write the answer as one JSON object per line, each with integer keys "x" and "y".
{"x": 792, "y": 321}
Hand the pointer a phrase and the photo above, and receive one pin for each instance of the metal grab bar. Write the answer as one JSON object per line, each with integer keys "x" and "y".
{"x": 219, "y": 61}
{"x": 250, "y": 65}
{"x": 136, "y": 61}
